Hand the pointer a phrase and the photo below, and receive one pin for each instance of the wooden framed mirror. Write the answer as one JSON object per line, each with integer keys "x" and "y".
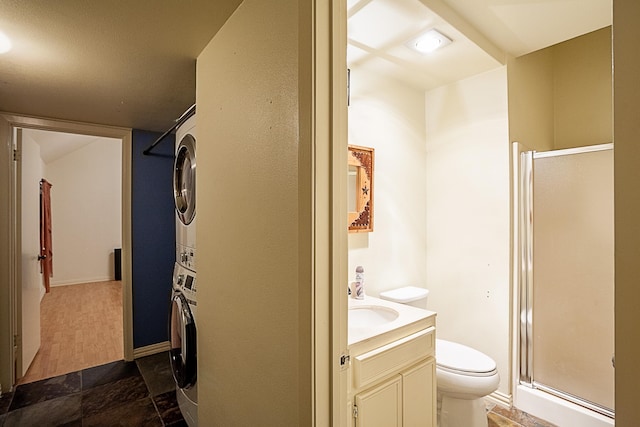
{"x": 360, "y": 189}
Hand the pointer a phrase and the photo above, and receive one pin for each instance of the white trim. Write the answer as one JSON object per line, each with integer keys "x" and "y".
{"x": 501, "y": 399}
{"x": 124, "y": 134}
{"x": 101, "y": 279}
{"x": 569, "y": 151}
{"x": 337, "y": 192}
{"x": 152, "y": 349}
{"x": 323, "y": 77}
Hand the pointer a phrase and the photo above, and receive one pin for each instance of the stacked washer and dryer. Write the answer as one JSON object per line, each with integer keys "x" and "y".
{"x": 182, "y": 316}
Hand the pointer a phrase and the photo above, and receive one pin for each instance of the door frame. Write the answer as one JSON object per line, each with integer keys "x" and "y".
{"x": 323, "y": 77}
{"x": 15, "y": 122}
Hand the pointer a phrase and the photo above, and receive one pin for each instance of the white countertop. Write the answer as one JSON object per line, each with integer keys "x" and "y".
{"x": 407, "y": 315}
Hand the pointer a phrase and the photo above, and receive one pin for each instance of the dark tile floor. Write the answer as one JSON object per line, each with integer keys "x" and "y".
{"x": 140, "y": 393}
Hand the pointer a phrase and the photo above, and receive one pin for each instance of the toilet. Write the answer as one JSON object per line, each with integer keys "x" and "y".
{"x": 464, "y": 376}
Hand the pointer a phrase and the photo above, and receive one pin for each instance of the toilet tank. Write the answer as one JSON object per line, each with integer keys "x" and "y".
{"x": 410, "y": 295}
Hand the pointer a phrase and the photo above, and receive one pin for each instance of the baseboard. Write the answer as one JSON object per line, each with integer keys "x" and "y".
{"x": 82, "y": 281}
{"x": 502, "y": 399}
{"x": 151, "y": 349}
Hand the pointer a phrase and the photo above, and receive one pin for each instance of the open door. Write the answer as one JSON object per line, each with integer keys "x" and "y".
{"x": 29, "y": 173}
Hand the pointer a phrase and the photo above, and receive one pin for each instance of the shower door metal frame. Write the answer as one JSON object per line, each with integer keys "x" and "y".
{"x": 525, "y": 273}
{"x": 525, "y": 231}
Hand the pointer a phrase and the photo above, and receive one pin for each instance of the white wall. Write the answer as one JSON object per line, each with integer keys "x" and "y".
{"x": 461, "y": 252}
{"x": 442, "y": 201}
{"x": 86, "y": 211}
{"x": 388, "y": 115}
{"x": 468, "y": 208}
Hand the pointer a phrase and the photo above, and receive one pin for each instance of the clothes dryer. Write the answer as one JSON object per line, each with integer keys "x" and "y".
{"x": 184, "y": 193}
{"x": 182, "y": 335}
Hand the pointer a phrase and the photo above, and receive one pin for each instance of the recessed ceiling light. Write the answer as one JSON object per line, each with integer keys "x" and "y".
{"x": 5, "y": 43}
{"x": 429, "y": 41}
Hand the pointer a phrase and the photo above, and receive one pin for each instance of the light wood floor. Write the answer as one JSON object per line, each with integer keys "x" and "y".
{"x": 81, "y": 327}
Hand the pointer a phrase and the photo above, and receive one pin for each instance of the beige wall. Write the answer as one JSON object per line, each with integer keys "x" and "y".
{"x": 582, "y": 90}
{"x": 86, "y": 211}
{"x": 468, "y": 205}
{"x": 627, "y": 156}
{"x": 388, "y": 115}
{"x": 250, "y": 333}
{"x": 626, "y": 34}
{"x": 531, "y": 100}
{"x": 560, "y": 97}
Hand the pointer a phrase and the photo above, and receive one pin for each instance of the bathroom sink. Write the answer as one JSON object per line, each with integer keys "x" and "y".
{"x": 370, "y": 316}
{"x": 374, "y": 317}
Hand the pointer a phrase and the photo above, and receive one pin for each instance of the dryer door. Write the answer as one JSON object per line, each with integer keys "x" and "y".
{"x": 184, "y": 179}
{"x": 182, "y": 332}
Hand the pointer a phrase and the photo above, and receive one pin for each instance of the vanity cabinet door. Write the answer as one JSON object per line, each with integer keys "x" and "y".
{"x": 419, "y": 394}
{"x": 380, "y": 406}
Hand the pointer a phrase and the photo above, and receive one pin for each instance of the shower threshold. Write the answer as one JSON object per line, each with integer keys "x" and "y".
{"x": 557, "y": 410}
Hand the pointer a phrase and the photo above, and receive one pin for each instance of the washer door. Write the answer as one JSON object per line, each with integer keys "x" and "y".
{"x": 182, "y": 330}
{"x": 184, "y": 180}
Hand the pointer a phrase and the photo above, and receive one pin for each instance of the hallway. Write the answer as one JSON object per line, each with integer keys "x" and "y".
{"x": 81, "y": 327}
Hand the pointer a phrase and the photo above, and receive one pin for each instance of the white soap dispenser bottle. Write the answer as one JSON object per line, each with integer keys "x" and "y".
{"x": 359, "y": 291}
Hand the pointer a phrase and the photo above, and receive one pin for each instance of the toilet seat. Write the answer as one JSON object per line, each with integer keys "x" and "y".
{"x": 462, "y": 360}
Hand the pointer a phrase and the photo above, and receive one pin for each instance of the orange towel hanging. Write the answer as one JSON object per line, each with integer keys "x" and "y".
{"x": 46, "y": 241}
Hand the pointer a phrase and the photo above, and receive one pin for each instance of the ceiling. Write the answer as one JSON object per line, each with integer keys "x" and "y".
{"x": 379, "y": 29}
{"x": 484, "y": 33}
{"x": 132, "y": 64}
{"x": 55, "y": 145}
{"x": 111, "y": 62}
{"x": 524, "y": 26}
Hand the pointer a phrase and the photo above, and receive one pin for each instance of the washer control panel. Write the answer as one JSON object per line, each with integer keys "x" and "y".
{"x": 185, "y": 281}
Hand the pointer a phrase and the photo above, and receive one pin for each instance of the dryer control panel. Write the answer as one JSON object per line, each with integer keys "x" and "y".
{"x": 186, "y": 256}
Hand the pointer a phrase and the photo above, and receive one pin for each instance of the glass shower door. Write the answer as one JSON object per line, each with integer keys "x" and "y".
{"x": 571, "y": 301}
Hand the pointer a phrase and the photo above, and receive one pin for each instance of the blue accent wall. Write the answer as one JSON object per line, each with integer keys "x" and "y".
{"x": 153, "y": 236}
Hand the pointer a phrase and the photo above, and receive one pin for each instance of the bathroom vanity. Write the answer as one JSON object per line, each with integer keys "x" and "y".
{"x": 392, "y": 364}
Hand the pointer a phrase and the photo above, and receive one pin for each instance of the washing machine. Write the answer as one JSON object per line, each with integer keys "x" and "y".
{"x": 182, "y": 333}
{"x": 184, "y": 193}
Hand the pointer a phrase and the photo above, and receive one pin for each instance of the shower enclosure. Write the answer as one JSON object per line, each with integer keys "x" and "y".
{"x": 565, "y": 276}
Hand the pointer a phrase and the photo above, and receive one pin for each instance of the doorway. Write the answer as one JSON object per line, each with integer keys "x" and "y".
{"x": 78, "y": 323}
{"x": 18, "y": 125}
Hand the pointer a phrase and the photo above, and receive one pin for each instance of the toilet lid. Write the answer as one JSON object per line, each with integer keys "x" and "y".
{"x": 458, "y": 357}
{"x": 405, "y": 295}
